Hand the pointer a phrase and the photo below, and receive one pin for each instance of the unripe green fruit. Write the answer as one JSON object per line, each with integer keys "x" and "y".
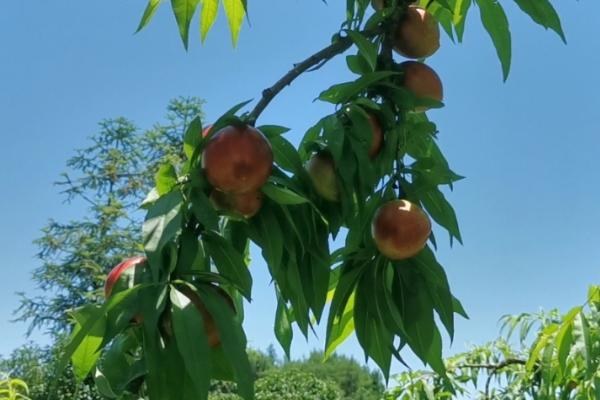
{"x": 321, "y": 169}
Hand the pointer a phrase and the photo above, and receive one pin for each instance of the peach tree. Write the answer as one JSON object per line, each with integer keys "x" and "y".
{"x": 370, "y": 173}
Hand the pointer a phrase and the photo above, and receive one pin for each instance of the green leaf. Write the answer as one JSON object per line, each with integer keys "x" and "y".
{"x": 235, "y": 11}
{"x": 80, "y": 333}
{"x": 204, "y": 211}
{"x": 358, "y": 64}
{"x": 564, "y": 338}
{"x": 461, "y": 8}
{"x": 282, "y": 195}
{"x": 192, "y": 137}
{"x": 418, "y": 309}
{"x": 543, "y": 13}
{"x": 267, "y": 233}
{"x": 437, "y": 284}
{"x": 344, "y": 290}
{"x": 375, "y": 339}
{"x": 495, "y": 22}
{"x": 441, "y": 211}
{"x": 191, "y": 341}
{"x": 184, "y": 12}
{"x": 458, "y": 308}
{"x": 590, "y": 361}
{"x": 229, "y": 262}
{"x": 342, "y": 327}
{"x": 85, "y": 356}
{"x": 283, "y": 325}
{"x": 148, "y": 13}
{"x": 233, "y": 340}
{"x": 118, "y": 368}
{"x": 103, "y": 385}
{"x": 272, "y": 130}
{"x": 540, "y": 345}
{"x": 366, "y": 48}
{"x": 443, "y": 13}
{"x": 210, "y": 10}
{"x": 286, "y": 155}
{"x": 165, "y": 179}
{"x": 341, "y": 93}
{"x": 162, "y": 223}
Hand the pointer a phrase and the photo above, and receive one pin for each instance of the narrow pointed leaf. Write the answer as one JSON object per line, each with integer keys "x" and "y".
{"x": 184, "y": 12}
{"x": 148, "y": 13}
{"x": 236, "y": 12}
{"x": 543, "y": 13}
{"x": 495, "y": 22}
{"x": 210, "y": 10}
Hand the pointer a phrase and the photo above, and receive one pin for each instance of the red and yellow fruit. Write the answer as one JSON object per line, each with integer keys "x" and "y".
{"x": 400, "y": 229}
{"x": 321, "y": 169}
{"x": 237, "y": 159}
{"x": 417, "y": 35}
{"x": 125, "y": 275}
{"x": 243, "y": 205}
{"x": 422, "y": 81}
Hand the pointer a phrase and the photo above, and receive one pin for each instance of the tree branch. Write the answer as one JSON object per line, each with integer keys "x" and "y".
{"x": 494, "y": 368}
{"x": 316, "y": 60}
{"x": 503, "y": 364}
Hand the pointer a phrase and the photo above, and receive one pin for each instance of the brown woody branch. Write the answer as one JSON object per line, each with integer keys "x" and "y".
{"x": 494, "y": 368}
{"x": 503, "y": 364}
{"x": 316, "y": 60}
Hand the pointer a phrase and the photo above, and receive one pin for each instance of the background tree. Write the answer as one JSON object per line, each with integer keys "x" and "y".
{"x": 111, "y": 177}
{"x": 351, "y": 380}
{"x": 355, "y": 381}
{"x": 544, "y": 355}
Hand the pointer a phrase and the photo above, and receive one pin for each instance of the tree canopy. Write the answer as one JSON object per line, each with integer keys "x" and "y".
{"x": 370, "y": 172}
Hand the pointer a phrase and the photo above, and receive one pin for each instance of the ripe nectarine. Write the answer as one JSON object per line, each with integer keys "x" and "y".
{"x": 125, "y": 275}
{"x": 238, "y": 159}
{"x": 422, "y": 81}
{"x": 244, "y": 205}
{"x": 417, "y": 35}
{"x": 400, "y": 229}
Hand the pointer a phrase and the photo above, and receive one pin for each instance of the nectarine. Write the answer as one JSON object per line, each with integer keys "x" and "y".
{"x": 417, "y": 35}
{"x": 238, "y": 159}
{"x": 321, "y": 169}
{"x": 400, "y": 229}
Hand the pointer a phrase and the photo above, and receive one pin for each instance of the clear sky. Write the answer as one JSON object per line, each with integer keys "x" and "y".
{"x": 528, "y": 208}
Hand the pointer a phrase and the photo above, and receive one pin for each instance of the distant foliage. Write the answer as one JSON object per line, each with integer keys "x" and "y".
{"x": 36, "y": 366}
{"x": 12, "y": 389}
{"x": 547, "y": 355}
{"x": 355, "y": 381}
{"x": 111, "y": 177}
{"x": 295, "y": 385}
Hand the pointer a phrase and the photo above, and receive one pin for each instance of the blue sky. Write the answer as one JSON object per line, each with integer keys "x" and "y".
{"x": 528, "y": 208}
